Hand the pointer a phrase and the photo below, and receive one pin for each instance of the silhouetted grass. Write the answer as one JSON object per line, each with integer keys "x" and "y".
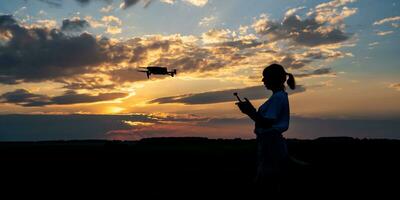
{"x": 200, "y": 165}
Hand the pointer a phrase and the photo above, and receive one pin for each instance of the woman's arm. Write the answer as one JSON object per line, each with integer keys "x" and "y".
{"x": 260, "y": 121}
{"x": 247, "y": 108}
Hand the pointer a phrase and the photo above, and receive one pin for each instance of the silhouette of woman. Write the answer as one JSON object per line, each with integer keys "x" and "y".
{"x": 271, "y": 120}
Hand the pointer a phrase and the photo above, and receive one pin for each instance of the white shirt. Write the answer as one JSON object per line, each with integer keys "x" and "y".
{"x": 277, "y": 109}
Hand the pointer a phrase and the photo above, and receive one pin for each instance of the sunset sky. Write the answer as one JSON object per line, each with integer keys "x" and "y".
{"x": 61, "y": 57}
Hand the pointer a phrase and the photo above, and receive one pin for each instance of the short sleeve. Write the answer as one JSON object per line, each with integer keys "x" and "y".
{"x": 275, "y": 104}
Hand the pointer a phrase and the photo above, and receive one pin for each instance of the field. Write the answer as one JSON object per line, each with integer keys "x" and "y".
{"x": 199, "y": 165}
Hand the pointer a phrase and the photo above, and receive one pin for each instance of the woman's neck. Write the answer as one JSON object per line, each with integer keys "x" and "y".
{"x": 277, "y": 90}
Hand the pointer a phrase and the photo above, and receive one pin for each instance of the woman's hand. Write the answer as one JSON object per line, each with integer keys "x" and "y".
{"x": 246, "y": 107}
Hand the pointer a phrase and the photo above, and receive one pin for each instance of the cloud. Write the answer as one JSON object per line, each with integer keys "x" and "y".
{"x": 71, "y": 97}
{"x": 383, "y": 33}
{"x": 125, "y": 3}
{"x": 41, "y": 54}
{"x": 386, "y": 20}
{"x": 199, "y": 3}
{"x": 128, "y": 3}
{"x": 240, "y": 44}
{"x": 395, "y": 86}
{"x": 48, "y": 54}
{"x": 46, "y": 23}
{"x": 74, "y": 24}
{"x": 289, "y": 61}
{"x": 127, "y": 75}
{"x": 52, "y": 3}
{"x": 373, "y": 44}
{"x": 7, "y": 20}
{"x": 254, "y": 92}
{"x": 197, "y": 59}
{"x": 168, "y": 1}
{"x": 112, "y": 20}
{"x": 87, "y": 83}
{"x": 25, "y": 98}
{"x": 59, "y": 3}
{"x": 162, "y": 125}
{"x": 322, "y": 26}
{"x": 107, "y": 9}
{"x": 292, "y": 11}
{"x": 207, "y": 21}
{"x": 243, "y": 29}
{"x": 94, "y": 23}
{"x": 318, "y": 54}
{"x": 334, "y": 4}
{"x": 217, "y": 35}
{"x": 316, "y": 72}
{"x": 38, "y": 54}
{"x": 307, "y": 32}
{"x": 178, "y": 53}
{"x": 141, "y": 47}
{"x": 113, "y": 24}
{"x": 333, "y": 14}
{"x": 113, "y": 30}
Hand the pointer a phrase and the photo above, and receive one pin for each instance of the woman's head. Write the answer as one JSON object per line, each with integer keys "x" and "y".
{"x": 274, "y": 77}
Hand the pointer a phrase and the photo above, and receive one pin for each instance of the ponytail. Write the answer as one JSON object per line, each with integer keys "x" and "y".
{"x": 290, "y": 81}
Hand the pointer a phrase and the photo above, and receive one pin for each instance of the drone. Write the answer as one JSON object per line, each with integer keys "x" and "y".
{"x": 157, "y": 70}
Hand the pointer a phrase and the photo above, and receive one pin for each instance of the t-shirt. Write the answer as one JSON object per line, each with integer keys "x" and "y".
{"x": 276, "y": 108}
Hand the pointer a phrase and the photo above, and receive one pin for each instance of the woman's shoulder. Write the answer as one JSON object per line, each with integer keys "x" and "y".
{"x": 280, "y": 94}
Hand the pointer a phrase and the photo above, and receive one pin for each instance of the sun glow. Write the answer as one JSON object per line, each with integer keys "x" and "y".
{"x": 137, "y": 123}
{"x": 114, "y": 110}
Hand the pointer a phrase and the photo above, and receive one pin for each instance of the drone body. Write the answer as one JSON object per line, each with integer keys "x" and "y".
{"x": 157, "y": 70}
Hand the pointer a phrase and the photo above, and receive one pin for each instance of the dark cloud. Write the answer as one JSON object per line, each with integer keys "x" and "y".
{"x": 139, "y": 52}
{"x": 71, "y": 97}
{"x": 240, "y": 44}
{"x": 198, "y": 59}
{"x": 317, "y": 72}
{"x": 7, "y": 20}
{"x": 8, "y": 80}
{"x": 55, "y": 3}
{"x": 35, "y": 54}
{"x": 27, "y": 99}
{"x": 289, "y": 61}
{"x": 323, "y": 55}
{"x": 74, "y": 24}
{"x": 126, "y": 3}
{"x": 190, "y": 59}
{"x": 255, "y": 92}
{"x": 127, "y": 75}
{"x": 307, "y": 32}
{"x": 38, "y": 54}
{"x": 42, "y": 54}
{"x": 88, "y": 83}
{"x": 24, "y": 98}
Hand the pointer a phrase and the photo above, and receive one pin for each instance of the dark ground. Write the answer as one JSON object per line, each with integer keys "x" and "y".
{"x": 198, "y": 166}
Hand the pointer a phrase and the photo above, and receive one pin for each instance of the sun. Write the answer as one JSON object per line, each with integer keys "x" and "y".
{"x": 114, "y": 110}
